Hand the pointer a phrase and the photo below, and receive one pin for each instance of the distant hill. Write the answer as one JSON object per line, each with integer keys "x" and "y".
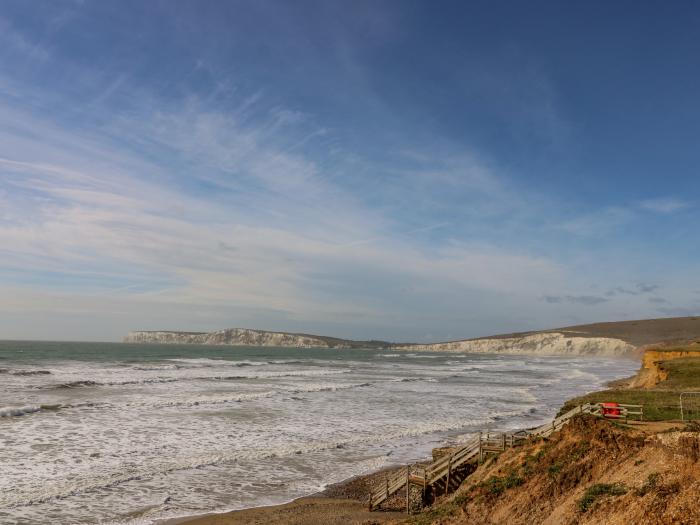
{"x": 638, "y": 332}
{"x": 619, "y": 338}
{"x": 249, "y": 337}
{"x": 643, "y": 332}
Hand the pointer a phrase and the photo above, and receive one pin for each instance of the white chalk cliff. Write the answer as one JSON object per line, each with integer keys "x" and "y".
{"x": 544, "y": 343}
{"x": 236, "y": 337}
{"x": 541, "y": 343}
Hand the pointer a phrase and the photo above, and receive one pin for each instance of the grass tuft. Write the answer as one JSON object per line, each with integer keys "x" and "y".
{"x": 650, "y": 484}
{"x": 496, "y": 485}
{"x": 597, "y": 491}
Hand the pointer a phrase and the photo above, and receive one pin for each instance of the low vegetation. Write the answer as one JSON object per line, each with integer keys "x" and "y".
{"x": 683, "y": 374}
{"x": 649, "y": 485}
{"x": 661, "y": 403}
{"x": 658, "y": 406}
{"x": 497, "y": 485}
{"x": 598, "y": 491}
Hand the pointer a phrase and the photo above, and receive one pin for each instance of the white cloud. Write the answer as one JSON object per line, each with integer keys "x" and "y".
{"x": 82, "y": 206}
{"x": 238, "y": 217}
{"x": 663, "y": 205}
{"x": 599, "y": 222}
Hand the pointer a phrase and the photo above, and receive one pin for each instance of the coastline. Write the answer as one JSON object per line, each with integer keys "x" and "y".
{"x": 343, "y": 502}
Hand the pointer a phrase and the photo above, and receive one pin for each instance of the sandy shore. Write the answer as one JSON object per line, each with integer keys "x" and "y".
{"x": 344, "y": 503}
{"x": 304, "y": 511}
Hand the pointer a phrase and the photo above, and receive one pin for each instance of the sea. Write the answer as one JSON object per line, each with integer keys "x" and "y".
{"x": 129, "y": 433}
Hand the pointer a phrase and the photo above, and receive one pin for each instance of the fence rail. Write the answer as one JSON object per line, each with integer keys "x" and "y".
{"x": 626, "y": 412}
{"x": 684, "y": 410}
{"x": 441, "y": 470}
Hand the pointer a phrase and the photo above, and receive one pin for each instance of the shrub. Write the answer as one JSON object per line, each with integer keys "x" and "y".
{"x": 461, "y": 499}
{"x": 691, "y": 426}
{"x": 649, "y": 485}
{"x": 554, "y": 469}
{"x": 496, "y": 485}
{"x": 598, "y": 491}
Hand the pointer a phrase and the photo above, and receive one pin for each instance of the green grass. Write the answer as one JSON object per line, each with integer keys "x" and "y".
{"x": 683, "y": 374}
{"x": 597, "y": 491}
{"x": 660, "y": 403}
{"x": 689, "y": 347}
{"x": 554, "y": 469}
{"x": 434, "y": 514}
{"x": 497, "y": 485}
{"x": 650, "y": 484}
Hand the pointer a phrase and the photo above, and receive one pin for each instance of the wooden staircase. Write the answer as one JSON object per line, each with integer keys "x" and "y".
{"x": 438, "y": 474}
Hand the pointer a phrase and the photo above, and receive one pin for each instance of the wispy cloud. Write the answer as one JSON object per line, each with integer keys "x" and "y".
{"x": 639, "y": 288}
{"x": 587, "y": 300}
{"x": 238, "y": 220}
{"x": 664, "y": 205}
{"x": 16, "y": 40}
{"x": 599, "y": 222}
{"x": 196, "y": 187}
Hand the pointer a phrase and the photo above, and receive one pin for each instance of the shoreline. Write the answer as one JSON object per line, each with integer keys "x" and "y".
{"x": 344, "y": 499}
{"x": 341, "y": 502}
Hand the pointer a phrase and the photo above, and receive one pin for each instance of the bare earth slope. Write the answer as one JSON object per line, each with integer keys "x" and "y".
{"x": 591, "y": 472}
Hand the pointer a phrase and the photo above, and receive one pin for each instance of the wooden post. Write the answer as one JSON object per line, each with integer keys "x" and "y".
{"x": 504, "y": 441}
{"x": 387, "y": 488}
{"x": 449, "y": 471}
{"x": 408, "y": 489}
{"x": 370, "y": 502}
{"x": 481, "y": 452}
{"x": 425, "y": 487}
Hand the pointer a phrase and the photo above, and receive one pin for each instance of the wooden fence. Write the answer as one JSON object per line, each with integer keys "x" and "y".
{"x": 438, "y": 474}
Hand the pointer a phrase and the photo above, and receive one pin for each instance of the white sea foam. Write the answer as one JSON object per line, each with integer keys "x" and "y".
{"x": 327, "y": 387}
{"x": 212, "y": 400}
{"x": 18, "y": 411}
{"x": 148, "y": 440}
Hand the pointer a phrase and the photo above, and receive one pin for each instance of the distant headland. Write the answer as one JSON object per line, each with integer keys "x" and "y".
{"x": 611, "y": 339}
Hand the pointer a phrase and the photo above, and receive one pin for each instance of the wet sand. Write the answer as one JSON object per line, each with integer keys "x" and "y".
{"x": 304, "y": 511}
{"x": 344, "y": 503}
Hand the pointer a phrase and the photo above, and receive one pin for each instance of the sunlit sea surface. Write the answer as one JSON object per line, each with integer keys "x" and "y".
{"x": 122, "y": 433}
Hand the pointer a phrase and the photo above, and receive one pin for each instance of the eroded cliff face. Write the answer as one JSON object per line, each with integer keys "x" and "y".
{"x": 651, "y": 372}
{"x": 232, "y": 336}
{"x": 554, "y": 481}
{"x": 550, "y": 343}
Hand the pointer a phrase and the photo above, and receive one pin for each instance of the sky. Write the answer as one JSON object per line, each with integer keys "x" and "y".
{"x": 396, "y": 170}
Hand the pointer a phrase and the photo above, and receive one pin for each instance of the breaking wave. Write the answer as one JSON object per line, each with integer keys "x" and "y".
{"x": 18, "y": 411}
{"x": 30, "y": 372}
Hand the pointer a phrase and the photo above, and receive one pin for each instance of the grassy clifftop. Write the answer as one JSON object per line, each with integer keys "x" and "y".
{"x": 667, "y": 371}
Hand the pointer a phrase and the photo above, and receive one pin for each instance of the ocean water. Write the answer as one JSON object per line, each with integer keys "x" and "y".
{"x": 122, "y": 433}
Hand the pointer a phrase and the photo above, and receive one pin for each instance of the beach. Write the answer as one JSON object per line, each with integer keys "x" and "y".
{"x": 340, "y": 504}
{"x": 156, "y": 432}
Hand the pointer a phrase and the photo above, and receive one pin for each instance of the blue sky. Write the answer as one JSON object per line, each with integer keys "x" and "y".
{"x": 393, "y": 170}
